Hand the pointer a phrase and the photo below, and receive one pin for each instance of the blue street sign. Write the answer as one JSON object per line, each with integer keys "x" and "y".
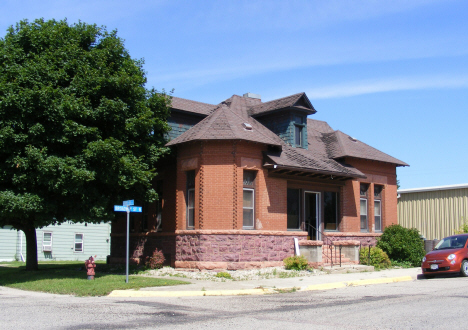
{"x": 120, "y": 208}
{"x": 129, "y": 202}
{"x": 135, "y": 209}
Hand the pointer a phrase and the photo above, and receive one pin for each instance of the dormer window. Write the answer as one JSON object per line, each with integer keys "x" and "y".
{"x": 299, "y": 131}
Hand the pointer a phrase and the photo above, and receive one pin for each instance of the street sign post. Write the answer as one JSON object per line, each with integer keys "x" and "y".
{"x": 127, "y": 207}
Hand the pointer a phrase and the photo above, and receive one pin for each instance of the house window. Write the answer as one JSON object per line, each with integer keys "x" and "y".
{"x": 293, "y": 209}
{"x": 363, "y": 206}
{"x": 363, "y": 214}
{"x": 378, "y": 215}
{"x": 47, "y": 241}
{"x": 190, "y": 199}
{"x": 378, "y": 207}
{"x": 330, "y": 205}
{"x": 159, "y": 204}
{"x": 299, "y": 131}
{"x": 249, "y": 200}
{"x": 363, "y": 189}
{"x": 78, "y": 242}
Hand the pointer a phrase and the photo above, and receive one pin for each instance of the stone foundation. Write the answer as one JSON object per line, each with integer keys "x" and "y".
{"x": 211, "y": 249}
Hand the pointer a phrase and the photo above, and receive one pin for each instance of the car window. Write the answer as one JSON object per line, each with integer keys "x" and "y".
{"x": 451, "y": 243}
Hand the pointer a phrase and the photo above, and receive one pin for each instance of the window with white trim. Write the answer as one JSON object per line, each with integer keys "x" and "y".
{"x": 47, "y": 241}
{"x": 363, "y": 207}
{"x": 378, "y": 207}
{"x": 363, "y": 214}
{"x": 248, "y": 204}
{"x": 79, "y": 242}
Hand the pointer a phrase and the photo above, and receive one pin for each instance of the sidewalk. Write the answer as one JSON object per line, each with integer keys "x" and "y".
{"x": 338, "y": 278}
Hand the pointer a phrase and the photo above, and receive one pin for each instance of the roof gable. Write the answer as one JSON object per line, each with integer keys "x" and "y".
{"x": 298, "y": 101}
{"x": 225, "y": 124}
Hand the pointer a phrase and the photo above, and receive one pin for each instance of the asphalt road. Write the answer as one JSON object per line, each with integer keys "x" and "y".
{"x": 419, "y": 304}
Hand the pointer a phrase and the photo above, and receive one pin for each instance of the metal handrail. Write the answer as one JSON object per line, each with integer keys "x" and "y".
{"x": 331, "y": 245}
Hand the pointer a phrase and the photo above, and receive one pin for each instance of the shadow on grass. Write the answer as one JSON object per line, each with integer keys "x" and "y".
{"x": 71, "y": 278}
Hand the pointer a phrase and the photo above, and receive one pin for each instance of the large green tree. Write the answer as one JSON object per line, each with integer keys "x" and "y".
{"x": 78, "y": 130}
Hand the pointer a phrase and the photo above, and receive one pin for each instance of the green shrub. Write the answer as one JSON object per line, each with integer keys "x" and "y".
{"x": 464, "y": 227}
{"x": 224, "y": 275}
{"x": 377, "y": 258}
{"x": 402, "y": 245}
{"x": 296, "y": 263}
{"x": 156, "y": 261}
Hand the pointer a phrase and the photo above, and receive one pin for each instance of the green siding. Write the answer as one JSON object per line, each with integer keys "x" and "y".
{"x": 96, "y": 242}
{"x": 8, "y": 241}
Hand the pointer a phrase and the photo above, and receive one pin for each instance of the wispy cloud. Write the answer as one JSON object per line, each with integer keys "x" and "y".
{"x": 387, "y": 85}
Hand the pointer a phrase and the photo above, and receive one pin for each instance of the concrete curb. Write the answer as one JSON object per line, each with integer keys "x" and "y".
{"x": 316, "y": 287}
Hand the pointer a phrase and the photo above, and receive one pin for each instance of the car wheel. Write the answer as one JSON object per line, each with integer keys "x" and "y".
{"x": 464, "y": 268}
{"x": 428, "y": 276}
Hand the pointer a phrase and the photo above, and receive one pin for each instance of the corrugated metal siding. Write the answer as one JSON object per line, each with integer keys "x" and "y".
{"x": 436, "y": 214}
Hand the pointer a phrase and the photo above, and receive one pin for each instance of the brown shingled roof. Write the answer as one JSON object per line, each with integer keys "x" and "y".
{"x": 303, "y": 160}
{"x": 299, "y": 101}
{"x": 225, "y": 124}
{"x": 341, "y": 145}
{"x": 192, "y": 106}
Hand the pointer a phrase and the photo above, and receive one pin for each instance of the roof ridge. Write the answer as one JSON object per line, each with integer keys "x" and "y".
{"x": 281, "y": 98}
{"x": 181, "y": 98}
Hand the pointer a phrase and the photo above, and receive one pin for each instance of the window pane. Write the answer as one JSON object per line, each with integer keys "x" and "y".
{"x": 293, "y": 208}
{"x": 249, "y": 178}
{"x": 47, "y": 237}
{"x": 78, "y": 237}
{"x": 248, "y": 198}
{"x": 298, "y": 135}
{"x": 377, "y": 191}
{"x": 363, "y": 214}
{"x": 78, "y": 247}
{"x": 378, "y": 217}
{"x": 363, "y": 207}
{"x": 191, "y": 198}
{"x": 190, "y": 215}
{"x": 248, "y": 218}
{"x": 190, "y": 179}
{"x": 363, "y": 189}
{"x": 377, "y": 208}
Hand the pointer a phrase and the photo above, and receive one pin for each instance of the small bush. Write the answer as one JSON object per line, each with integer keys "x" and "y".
{"x": 224, "y": 275}
{"x": 377, "y": 258}
{"x": 296, "y": 263}
{"x": 463, "y": 227}
{"x": 402, "y": 245}
{"x": 156, "y": 261}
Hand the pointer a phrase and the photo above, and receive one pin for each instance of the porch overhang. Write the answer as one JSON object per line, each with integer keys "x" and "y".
{"x": 306, "y": 173}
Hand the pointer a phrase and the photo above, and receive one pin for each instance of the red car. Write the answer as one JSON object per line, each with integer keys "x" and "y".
{"x": 449, "y": 256}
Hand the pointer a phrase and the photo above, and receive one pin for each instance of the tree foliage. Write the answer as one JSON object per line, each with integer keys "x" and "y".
{"x": 78, "y": 130}
{"x": 402, "y": 245}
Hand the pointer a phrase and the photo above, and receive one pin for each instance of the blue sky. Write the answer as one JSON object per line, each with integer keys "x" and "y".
{"x": 392, "y": 74}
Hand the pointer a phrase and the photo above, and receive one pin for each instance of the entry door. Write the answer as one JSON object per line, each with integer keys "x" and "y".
{"x": 312, "y": 214}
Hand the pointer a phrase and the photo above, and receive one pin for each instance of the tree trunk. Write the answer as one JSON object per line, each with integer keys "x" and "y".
{"x": 31, "y": 248}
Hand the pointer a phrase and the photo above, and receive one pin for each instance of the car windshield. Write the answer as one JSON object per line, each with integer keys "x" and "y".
{"x": 451, "y": 243}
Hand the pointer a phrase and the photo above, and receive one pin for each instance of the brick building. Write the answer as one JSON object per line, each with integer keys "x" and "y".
{"x": 246, "y": 177}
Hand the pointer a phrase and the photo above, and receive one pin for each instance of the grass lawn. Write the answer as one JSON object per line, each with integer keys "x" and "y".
{"x": 69, "y": 277}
